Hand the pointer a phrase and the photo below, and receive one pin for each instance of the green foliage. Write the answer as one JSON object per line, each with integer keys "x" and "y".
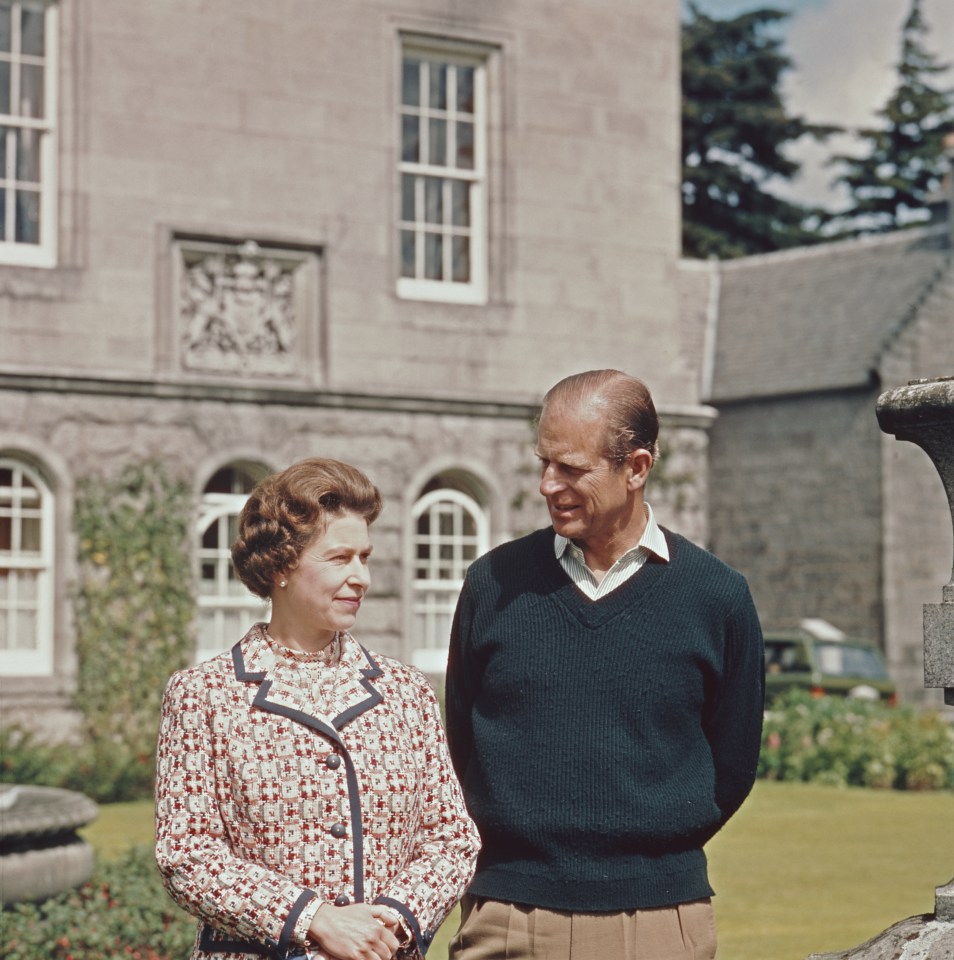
{"x": 93, "y": 767}
{"x": 734, "y": 132}
{"x": 904, "y": 158}
{"x": 842, "y": 742}
{"x": 134, "y": 608}
{"x": 122, "y": 913}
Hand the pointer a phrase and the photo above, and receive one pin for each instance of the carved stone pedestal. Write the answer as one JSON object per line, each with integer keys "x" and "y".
{"x": 923, "y": 412}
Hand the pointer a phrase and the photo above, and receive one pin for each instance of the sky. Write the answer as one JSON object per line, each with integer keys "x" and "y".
{"x": 844, "y": 54}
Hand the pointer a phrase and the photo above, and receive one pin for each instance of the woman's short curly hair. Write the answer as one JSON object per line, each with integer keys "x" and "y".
{"x": 287, "y": 510}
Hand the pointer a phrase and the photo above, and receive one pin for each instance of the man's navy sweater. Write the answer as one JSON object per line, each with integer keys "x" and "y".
{"x": 601, "y": 743}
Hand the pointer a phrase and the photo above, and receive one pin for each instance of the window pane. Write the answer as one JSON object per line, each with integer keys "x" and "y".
{"x": 407, "y": 197}
{"x": 4, "y": 88}
{"x": 465, "y": 89}
{"x": 407, "y": 253}
{"x": 28, "y": 217}
{"x": 25, "y": 638}
{"x": 3, "y": 214}
{"x": 434, "y": 200}
{"x": 460, "y": 200}
{"x": 461, "y": 250}
{"x": 28, "y": 156}
{"x": 6, "y": 533}
{"x": 411, "y": 83}
{"x": 31, "y": 90}
{"x": 465, "y": 146}
{"x": 31, "y": 32}
{"x": 30, "y": 535}
{"x": 410, "y": 139}
{"x": 233, "y": 479}
{"x": 438, "y": 86}
{"x": 27, "y": 587}
{"x": 437, "y": 142}
{"x": 6, "y": 474}
{"x": 5, "y": 31}
{"x": 433, "y": 256}
{"x": 210, "y": 539}
{"x": 446, "y": 526}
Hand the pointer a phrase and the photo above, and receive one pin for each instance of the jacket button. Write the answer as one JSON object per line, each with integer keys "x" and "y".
{"x": 332, "y": 761}
{"x": 338, "y": 830}
{"x": 342, "y": 900}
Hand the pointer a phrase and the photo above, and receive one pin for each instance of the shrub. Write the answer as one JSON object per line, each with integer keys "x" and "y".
{"x": 100, "y": 770}
{"x": 856, "y": 743}
{"x": 122, "y": 913}
{"x": 134, "y": 606}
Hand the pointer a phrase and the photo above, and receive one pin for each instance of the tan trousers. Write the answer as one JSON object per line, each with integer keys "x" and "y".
{"x": 504, "y": 931}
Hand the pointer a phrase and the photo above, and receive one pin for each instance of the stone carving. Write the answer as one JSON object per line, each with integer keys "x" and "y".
{"x": 923, "y": 413}
{"x": 237, "y": 309}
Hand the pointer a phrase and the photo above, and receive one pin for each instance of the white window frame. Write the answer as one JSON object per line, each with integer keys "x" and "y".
{"x": 18, "y": 253}
{"x": 36, "y": 660}
{"x": 435, "y": 599}
{"x": 219, "y": 508}
{"x": 419, "y": 287}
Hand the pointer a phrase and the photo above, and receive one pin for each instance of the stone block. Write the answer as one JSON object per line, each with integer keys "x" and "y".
{"x": 939, "y": 644}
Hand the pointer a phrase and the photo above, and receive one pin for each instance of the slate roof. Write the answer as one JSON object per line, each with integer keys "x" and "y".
{"x": 817, "y": 318}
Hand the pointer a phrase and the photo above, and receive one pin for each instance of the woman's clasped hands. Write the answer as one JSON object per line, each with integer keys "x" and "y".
{"x": 359, "y": 931}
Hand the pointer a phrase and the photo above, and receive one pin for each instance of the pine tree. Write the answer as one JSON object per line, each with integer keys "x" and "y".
{"x": 734, "y": 132}
{"x": 904, "y": 161}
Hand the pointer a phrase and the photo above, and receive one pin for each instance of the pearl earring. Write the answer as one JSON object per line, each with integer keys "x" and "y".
{"x": 284, "y": 583}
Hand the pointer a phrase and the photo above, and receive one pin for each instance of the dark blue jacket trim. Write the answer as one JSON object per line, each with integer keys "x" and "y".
{"x": 422, "y": 939}
{"x": 299, "y": 716}
{"x": 368, "y": 674}
{"x": 211, "y": 942}
{"x": 238, "y": 664}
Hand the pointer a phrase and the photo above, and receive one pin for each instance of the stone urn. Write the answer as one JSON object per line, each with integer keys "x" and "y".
{"x": 41, "y": 853}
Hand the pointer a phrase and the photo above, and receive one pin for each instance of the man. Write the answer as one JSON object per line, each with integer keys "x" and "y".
{"x": 604, "y": 705}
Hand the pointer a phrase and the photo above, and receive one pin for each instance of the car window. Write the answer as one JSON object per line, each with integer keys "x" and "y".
{"x": 843, "y": 660}
{"x": 785, "y": 656}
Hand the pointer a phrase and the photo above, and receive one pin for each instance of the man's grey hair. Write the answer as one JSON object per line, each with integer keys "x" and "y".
{"x": 623, "y": 403}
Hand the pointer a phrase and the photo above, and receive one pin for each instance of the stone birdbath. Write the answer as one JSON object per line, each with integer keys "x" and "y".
{"x": 923, "y": 413}
{"x": 40, "y": 851}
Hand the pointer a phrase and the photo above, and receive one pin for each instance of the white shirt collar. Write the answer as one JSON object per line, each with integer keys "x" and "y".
{"x": 652, "y": 541}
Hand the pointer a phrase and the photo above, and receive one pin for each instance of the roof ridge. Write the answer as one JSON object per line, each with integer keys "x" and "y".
{"x": 825, "y": 249}
{"x": 935, "y": 284}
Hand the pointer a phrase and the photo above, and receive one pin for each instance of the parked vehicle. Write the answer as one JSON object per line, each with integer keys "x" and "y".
{"x": 820, "y": 659}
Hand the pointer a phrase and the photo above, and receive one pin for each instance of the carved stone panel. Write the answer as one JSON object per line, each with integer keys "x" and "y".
{"x": 246, "y": 309}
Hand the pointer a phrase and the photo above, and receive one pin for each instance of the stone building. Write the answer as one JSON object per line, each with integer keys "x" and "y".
{"x": 826, "y": 515}
{"x": 235, "y": 234}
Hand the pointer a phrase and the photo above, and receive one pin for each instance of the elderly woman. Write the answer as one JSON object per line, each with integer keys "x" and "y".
{"x": 305, "y": 804}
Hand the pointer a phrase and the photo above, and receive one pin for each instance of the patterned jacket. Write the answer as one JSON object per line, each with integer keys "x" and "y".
{"x": 266, "y": 807}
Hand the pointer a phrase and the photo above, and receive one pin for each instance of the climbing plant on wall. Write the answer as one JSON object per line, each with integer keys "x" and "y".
{"x": 134, "y": 610}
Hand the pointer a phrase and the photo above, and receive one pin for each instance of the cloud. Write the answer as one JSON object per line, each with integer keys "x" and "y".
{"x": 845, "y": 54}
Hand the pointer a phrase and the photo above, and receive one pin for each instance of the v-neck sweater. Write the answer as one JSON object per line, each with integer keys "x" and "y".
{"x": 600, "y": 744}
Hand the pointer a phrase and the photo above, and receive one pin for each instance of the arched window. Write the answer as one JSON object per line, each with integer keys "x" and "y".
{"x": 226, "y": 608}
{"x": 451, "y": 530}
{"x": 26, "y": 571}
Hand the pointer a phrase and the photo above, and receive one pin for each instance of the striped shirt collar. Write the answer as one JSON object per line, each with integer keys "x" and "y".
{"x": 653, "y": 541}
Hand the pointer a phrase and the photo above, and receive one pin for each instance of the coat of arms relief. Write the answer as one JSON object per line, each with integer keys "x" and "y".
{"x": 237, "y": 308}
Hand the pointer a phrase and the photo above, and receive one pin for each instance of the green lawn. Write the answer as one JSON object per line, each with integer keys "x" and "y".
{"x": 800, "y": 869}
